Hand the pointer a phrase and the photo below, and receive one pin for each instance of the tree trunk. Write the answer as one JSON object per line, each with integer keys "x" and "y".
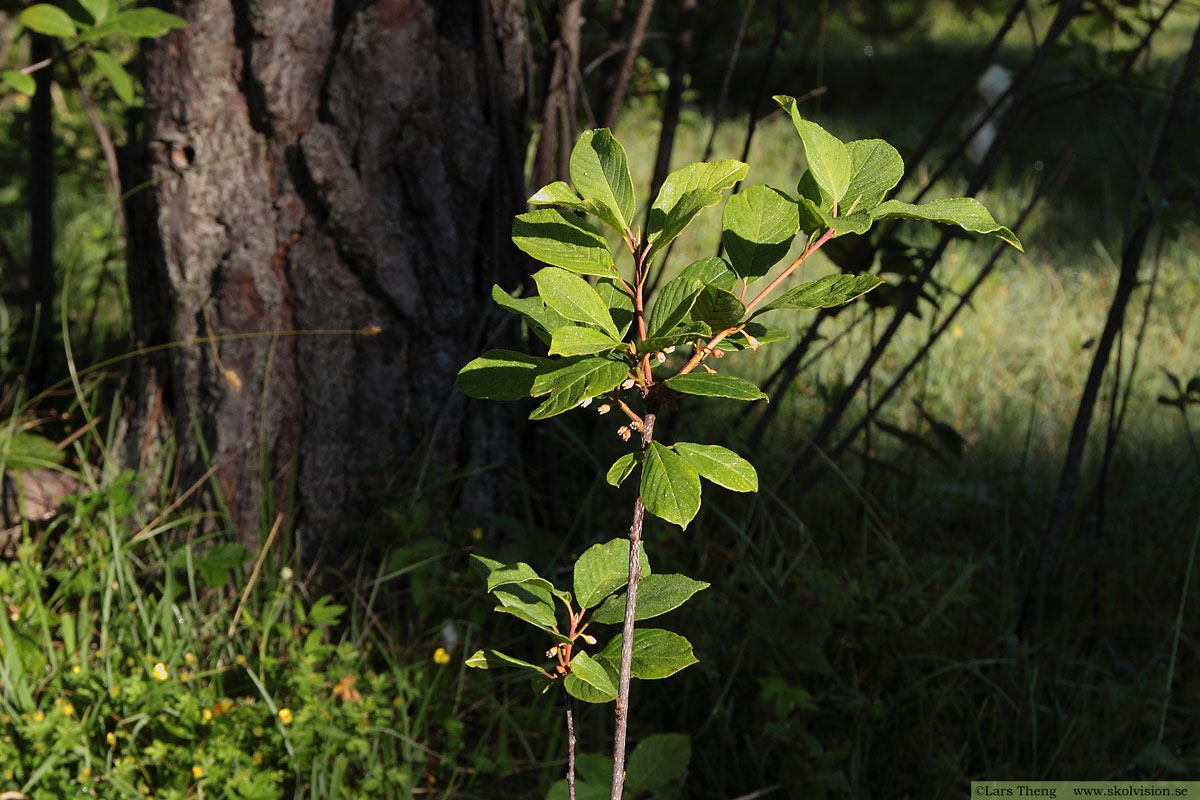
{"x": 321, "y": 166}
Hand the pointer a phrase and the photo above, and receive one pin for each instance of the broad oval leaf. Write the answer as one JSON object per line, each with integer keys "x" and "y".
{"x": 543, "y": 321}
{"x": 558, "y": 193}
{"x": 491, "y": 659}
{"x": 574, "y": 298}
{"x": 600, "y": 172}
{"x": 684, "y": 194}
{"x": 584, "y": 690}
{"x": 759, "y": 226}
{"x": 965, "y": 212}
{"x": 621, "y": 469}
{"x": 720, "y": 465}
{"x": 527, "y": 605}
{"x": 562, "y": 240}
{"x": 146, "y": 23}
{"x": 500, "y": 375}
{"x": 827, "y": 157}
{"x": 875, "y": 168}
{"x": 857, "y": 223}
{"x": 672, "y": 304}
{"x": 656, "y": 653}
{"x": 657, "y": 594}
{"x": 575, "y": 340}
{"x": 49, "y": 20}
{"x": 670, "y": 487}
{"x": 98, "y": 9}
{"x": 713, "y": 271}
{"x": 706, "y": 385}
{"x": 593, "y": 674}
{"x": 574, "y": 382}
{"x": 117, "y": 76}
{"x": 603, "y": 569}
{"x": 19, "y": 81}
{"x": 620, "y": 304}
{"x": 826, "y": 292}
{"x": 657, "y": 761}
{"x": 666, "y": 226}
{"x": 717, "y": 308}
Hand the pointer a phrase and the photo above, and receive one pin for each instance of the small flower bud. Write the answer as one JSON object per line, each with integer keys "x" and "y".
{"x": 624, "y": 432}
{"x": 587, "y": 401}
{"x": 587, "y": 637}
{"x": 718, "y": 353}
{"x": 604, "y": 408}
{"x": 628, "y": 384}
{"x": 661, "y": 357}
{"x": 750, "y": 340}
{"x": 708, "y": 369}
{"x": 670, "y": 349}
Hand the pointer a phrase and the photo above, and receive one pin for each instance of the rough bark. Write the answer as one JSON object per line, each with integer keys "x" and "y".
{"x": 325, "y": 165}
{"x": 558, "y": 130}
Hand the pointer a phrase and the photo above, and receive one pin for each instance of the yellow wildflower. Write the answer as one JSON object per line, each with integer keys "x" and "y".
{"x": 285, "y": 716}
{"x": 160, "y": 671}
{"x": 206, "y": 714}
{"x": 189, "y": 658}
{"x": 111, "y": 738}
{"x": 197, "y": 771}
{"x": 114, "y": 692}
{"x": 440, "y": 656}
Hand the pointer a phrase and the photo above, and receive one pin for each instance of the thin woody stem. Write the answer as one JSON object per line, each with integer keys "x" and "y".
{"x": 635, "y": 575}
{"x": 570, "y": 747}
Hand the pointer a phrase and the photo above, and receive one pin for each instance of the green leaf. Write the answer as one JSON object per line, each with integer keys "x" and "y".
{"x": 706, "y": 385}
{"x": 713, "y": 271}
{"x": 717, "y": 308}
{"x": 875, "y": 168}
{"x": 600, "y": 172}
{"x": 857, "y": 223}
{"x": 558, "y": 193}
{"x": 828, "y": 159}
{"x": 812, "y": 217}
{"x": 759, "y": 225}
{"x": 584, "y": 690}
{"x": 657, "y": 761}
{"x": 670, "y": 487}
{"x": 117, "y": 76}
{"x": 594, "y": 675}
{"x": 574, "y": 298}
{"x": 656, "y": 653}
{"x": 620, "y": 304}
{"x": 500, "y": 375}
{"x": 657, "y": 594}
{"x": 215, "y": 566}
{"x": 518, "y": 573}
{"x": 720, "y": 465}
{"x": 19, "y": 81}
{"x": 491, "y": 659}
{"x": 676, "y": 220}
{"x": 517, "y": 603}
{"x": 672, "y": 304}
{"x": 562, "y": 240}
{"x": 47, "y": 19}
{"x": 573, "y": 383}
{"x": 574, "y": 340}
{"x": 22, "y": 450}
{"x": 684, "y": 194}
{"x": 621, "y": 469}
{"x": 603, "y": 569}
{"x": 826, "y": 292}
{"x": 965, "y": 212}
{"x": 542, "y": 321}
{"x": 147, "y": 23}
{"x": 98, "y": 9}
